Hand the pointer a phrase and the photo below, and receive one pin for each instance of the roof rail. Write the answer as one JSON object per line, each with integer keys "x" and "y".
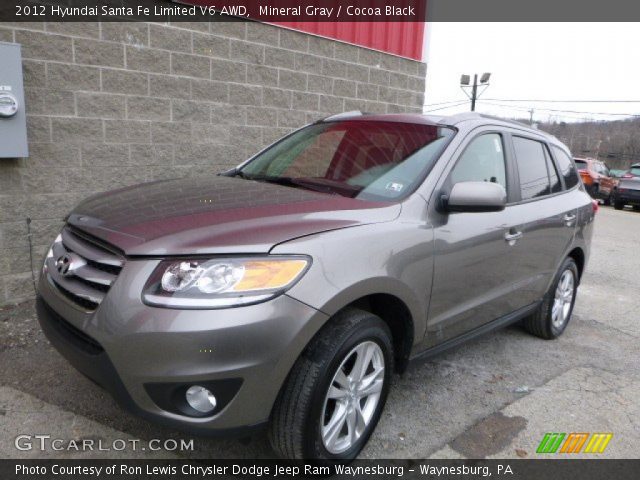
{"x": 460, "y": 117}
{"x": 340, "y": 116}
{"x": 508, "y": 120}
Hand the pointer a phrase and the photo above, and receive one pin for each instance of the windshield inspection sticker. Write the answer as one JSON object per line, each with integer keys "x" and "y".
{"x": 394, "y": 186}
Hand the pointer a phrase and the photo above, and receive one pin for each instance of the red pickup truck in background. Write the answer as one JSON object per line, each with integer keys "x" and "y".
{"x": 597, "y": 179}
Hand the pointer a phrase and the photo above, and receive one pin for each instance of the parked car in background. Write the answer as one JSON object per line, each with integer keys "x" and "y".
{"x": 627, "y": 193}
{"x": 596, "y": 178}
{"x": 633, "y": 172}
{"x": 284, "y": 292}
{"x": 616, "y": 173}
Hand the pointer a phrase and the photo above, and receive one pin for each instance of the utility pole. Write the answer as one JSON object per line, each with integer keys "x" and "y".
{"x": 531, "y": 117}
{"x": 474, "y": 92}
{"x": 465, "y": 80}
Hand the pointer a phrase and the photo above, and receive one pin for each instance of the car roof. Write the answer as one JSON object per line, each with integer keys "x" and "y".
{"x": 468, "y": 121}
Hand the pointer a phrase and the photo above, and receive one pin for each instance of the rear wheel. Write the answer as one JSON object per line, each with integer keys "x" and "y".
{"x": 553, "y": 315}
{"x": 618, "y": 205}
{"x": 335, "y": 393}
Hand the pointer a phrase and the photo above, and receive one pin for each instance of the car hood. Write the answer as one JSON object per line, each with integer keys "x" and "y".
{"x": 217, "y": 214}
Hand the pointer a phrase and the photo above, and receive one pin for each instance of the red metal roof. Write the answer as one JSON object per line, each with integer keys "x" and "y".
{"x": 400, "y": 38}
{"x": 403, "y": 38}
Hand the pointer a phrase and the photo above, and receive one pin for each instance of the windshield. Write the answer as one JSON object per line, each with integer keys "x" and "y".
{"x": 581, "y": 164}
{"x": 369, "y": 160}
{"x": 635, "y": 171}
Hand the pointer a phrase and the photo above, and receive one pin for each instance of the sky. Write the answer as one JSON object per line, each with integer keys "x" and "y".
{"x": 536, "y": 61}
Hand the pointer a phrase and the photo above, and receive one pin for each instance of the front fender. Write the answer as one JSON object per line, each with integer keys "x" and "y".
{"x": 394, "y": 258}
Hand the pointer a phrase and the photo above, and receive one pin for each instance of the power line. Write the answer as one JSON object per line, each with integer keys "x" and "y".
{"x": 550, "y": 114}
{"x": 441, "y": 103}
{"x": 561, "y": 101}
{"x": 529, "y": 111}
{"x": 447, "y": 106}
{"x": 561, "y": 111}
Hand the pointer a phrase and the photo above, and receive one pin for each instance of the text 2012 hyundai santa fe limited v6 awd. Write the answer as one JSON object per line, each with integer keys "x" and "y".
{"x": 287, "y": 291}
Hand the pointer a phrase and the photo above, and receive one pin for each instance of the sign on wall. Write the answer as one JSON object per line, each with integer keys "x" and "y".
{"x": 13, "y": 122}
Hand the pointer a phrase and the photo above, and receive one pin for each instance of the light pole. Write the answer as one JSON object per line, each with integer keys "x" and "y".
{"x": 465, "y": 81}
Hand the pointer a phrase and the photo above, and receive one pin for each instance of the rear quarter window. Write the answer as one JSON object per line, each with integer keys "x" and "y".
{"x": 567, "y": 169}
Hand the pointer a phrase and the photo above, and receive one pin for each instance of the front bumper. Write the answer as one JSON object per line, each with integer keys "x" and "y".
{"x": 141, "y": 354}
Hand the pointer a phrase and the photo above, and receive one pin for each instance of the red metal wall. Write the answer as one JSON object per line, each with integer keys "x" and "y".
{"x": 400, "y": 38}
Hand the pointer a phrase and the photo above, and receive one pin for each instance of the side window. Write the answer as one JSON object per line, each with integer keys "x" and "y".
{"x": 482, "y": 161}
{"x": 556, "y": 186}
{"x": 532, "y": 167}
{"x": 567, "y": 168}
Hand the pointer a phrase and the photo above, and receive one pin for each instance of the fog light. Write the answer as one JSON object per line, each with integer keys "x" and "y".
{"x": 200, "y": 399}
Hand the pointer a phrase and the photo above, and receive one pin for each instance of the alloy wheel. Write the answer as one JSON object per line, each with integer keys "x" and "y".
{"x": 563, "y": 299}
{"x": 353, "y": 397}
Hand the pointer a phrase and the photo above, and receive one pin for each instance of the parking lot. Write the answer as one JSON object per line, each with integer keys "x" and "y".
{"x": 494, "y": 397}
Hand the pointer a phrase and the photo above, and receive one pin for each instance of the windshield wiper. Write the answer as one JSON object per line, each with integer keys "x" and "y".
{"x": 236, "y": 172}
{"x": 293, "y": 182}
{"x": 265, "y": 178}
{"x": 302, "y": 183}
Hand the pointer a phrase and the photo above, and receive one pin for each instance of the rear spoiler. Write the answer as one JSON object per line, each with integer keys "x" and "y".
{"x": 342, "y": 116}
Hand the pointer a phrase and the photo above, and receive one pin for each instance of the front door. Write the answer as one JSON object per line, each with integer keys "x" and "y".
{"x": 474, "y": 276}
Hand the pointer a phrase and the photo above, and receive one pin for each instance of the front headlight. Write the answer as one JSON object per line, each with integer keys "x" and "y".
{"x": 50, "y": 252}
{"x": 224, "y": 282}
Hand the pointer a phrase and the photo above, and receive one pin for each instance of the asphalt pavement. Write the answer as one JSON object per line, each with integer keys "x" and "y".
{"x": 495, "y": 397}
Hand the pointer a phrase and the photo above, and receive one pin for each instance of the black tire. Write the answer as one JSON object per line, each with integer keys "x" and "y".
{"x": 540, "y": 322}
{"x": 618, "y": 205}
{"x": 636, "y": 208}
{"x": 295, "y": 426}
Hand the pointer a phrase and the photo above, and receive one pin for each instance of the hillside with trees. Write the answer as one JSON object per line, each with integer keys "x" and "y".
{"x": 615, "y": 142}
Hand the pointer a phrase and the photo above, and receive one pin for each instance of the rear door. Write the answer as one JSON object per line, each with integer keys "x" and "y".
{"x": 546, "y": 217}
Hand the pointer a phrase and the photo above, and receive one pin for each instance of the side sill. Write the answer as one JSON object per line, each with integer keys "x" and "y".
{"x": 496, "y": 324}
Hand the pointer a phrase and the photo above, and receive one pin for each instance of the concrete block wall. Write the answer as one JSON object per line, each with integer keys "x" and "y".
{"x": 113, "y": 104}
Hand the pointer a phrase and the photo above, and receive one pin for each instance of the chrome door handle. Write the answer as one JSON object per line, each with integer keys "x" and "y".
{"x": 512, "y": 237}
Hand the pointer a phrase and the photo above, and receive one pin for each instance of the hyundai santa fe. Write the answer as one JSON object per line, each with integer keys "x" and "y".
{"x": 285, "y": 292}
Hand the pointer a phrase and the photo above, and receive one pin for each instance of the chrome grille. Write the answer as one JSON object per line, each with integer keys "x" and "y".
{"x": 81, "y": 268}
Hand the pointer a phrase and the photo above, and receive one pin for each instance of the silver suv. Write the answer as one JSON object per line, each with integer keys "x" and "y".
{"x": 285, "y": 292}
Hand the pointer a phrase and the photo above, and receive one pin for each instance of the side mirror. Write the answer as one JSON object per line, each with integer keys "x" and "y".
{"x": 476, "y": 197}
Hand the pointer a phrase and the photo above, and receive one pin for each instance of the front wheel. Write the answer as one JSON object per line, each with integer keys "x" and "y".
{"x": 335, "y": 393}
{"x": 554, "y": 313}
{"x": 618, "y": 205}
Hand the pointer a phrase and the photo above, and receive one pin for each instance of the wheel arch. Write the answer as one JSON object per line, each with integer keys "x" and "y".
{"x": 578, "y": 256}
{"x": 395, "y": 313}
